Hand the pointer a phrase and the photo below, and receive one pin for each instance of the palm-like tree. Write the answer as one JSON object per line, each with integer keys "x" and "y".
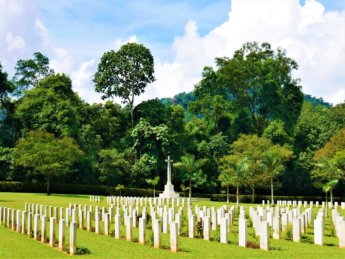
{"x": 233, "y": 170}
{"x": 273, "y": 163}
{"x": 153, "y": 182}
{"x": 191, "y": 171}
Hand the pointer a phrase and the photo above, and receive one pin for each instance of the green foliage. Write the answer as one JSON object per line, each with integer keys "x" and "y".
{"x": 125, "y": 73}
{"x": 42, "y": 153}
{"x": 191, "y": 171}
{"x": 119, "y": 188}
{"x": 154, "y": 182}
{"x": 30, "y": 71}
{"x": 6, "y": 163}
{"x": 112, "y": 166}
{"x": 276, "y": 133}
{"x": 259, "y": 82}
{"x": 142, "y": 169}
{"x": 150, "y": 139}
{"x": 51, "y": 106}
{"x": 7, "y": 87}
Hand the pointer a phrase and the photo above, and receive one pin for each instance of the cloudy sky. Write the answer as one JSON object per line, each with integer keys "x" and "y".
{"x": 183, "y": 35}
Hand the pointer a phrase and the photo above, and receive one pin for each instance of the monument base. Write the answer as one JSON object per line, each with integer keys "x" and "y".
{"x": 169, "y": 192}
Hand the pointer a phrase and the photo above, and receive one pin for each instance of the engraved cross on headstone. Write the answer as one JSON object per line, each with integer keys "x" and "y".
{"x": 169, "y": 161}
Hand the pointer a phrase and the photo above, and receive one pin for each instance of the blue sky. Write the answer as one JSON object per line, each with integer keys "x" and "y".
{"x": 184, "y": 36}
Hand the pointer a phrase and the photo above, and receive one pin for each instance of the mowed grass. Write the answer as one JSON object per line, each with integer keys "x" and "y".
{"x": 15, "y": 245}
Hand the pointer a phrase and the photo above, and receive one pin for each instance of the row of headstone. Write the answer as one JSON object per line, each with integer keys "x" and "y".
{"x": 36, "y": 226}
{"x": 339, "y": 225}
{"x": 305, "y": 204}
{"x": 281, "y": 218}
{"x": 95, "y": 198}
{"x": 145, "y": 201}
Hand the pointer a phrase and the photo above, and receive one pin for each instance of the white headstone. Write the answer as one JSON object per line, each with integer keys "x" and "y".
{"x": 264, "y": 236}
{"x": 173, "y": 237}
{"x": 73, "y": 238}
{"x": 61, "y": 234}
{"x": 52, "y": 232}
{"x": 242, "y": 233}
{"x": 318, "y": 232}
{"x": 142, "y": 229}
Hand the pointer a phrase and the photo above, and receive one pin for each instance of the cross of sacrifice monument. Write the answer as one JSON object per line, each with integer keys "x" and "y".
{"x": 169, "y": 188}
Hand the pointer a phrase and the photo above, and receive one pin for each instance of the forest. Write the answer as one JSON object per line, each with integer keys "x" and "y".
{"x": 247, "y": 127}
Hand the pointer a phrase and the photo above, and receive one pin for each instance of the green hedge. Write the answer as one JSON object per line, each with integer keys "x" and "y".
{"x": 106, "y": 190}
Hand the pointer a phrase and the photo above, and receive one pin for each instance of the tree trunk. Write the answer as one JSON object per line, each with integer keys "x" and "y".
{"x": 190, "y": 191}
{"x": 326, "y": 204}
{"x": 227, "y": 194}
{"x": 272, "y": 199}
{"x": 331, "y": 194}
{"x": 48, "y": 185}
{"x": 132, "y": 116}
{"x": 253, "y": 194}
{"x": 237, "y": 195}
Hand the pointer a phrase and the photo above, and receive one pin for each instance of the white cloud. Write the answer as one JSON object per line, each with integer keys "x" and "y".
{"x": 120, "y": 42}
{"x": 315, "y": 38}
{"x": 82, "y": 81}
{"x": 15, "y": 43}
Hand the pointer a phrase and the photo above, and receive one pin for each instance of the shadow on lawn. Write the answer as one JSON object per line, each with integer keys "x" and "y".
{"x": 6, "y": 200}
{"x": 63, "y": 195}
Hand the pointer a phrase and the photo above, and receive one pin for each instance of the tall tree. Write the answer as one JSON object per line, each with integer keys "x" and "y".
{"x": 43, "y": 153}
{"x": 30, "y": 71}
{"x": 125, "y": 73}
{"x": 259, "y": 82}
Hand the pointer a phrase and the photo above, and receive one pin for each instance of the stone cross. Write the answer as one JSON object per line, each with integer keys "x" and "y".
{"x": 169, "y": 161}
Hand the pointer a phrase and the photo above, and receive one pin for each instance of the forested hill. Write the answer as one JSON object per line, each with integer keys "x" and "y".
{"x": 184, "y": 98}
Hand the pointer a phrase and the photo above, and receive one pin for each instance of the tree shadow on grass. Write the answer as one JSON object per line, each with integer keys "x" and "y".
{"x": 63, "y": 195}
{"x": 6, "y": 200}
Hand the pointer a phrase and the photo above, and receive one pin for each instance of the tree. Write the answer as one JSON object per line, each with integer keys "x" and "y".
{"x": 273, "y": 160}
{"x": 143, "y": 168}
{"x": 6, "y": 163}
{"x": 153, "y": 140}
{"x": 325, "y": 171}
{"x": 275, "y": 131}
{"x": 154, "y": 182}
{"x": 30, "y": 71}
{"x": 191, "y": 171}
{"x": 7, "y": 118}
{"x": 42, "y": 153}
{"x": 336, "y": 143}
{"x": 233, "y": 171}
{"x": 125, "y": 73}
{"x": 7, "y": 87}
{"x": 252, "y": 147}
{"x": 51, "y": 106}
{"x": 112, "y": 166}
{"x": 259, "y": 83}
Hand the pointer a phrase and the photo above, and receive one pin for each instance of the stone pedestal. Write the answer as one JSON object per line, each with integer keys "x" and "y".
{"x": 169, "y": 192}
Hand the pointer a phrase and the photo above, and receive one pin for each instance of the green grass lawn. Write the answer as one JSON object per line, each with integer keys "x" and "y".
{"x": 15, "y": 245}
